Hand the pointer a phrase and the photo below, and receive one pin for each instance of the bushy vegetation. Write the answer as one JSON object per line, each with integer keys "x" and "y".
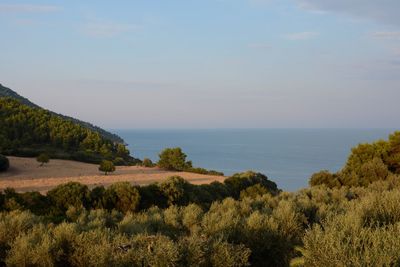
{"x": 4, "y": 163}
{"x": 107, "y": 166}
{"x": 43, "y": 158}
{"x": 29, "y": 131}
{"x": 318, "y": 226}
{"x": 174, "y": 159}
{"x": 245, "y": 221}
{"x": 147, "y": 163}
{"x": 366, "y": 164}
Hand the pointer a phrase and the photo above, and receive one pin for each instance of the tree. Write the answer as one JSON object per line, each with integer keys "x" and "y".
{"x": 173, "y": 159}
{"x": 107, "y": 166}
{"x": 43, "y": 158}
{"x": 4, "y": 163}
{"x": 147, "y": 163}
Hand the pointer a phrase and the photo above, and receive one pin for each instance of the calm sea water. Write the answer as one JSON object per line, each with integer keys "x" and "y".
{"x": 286, "y": 156}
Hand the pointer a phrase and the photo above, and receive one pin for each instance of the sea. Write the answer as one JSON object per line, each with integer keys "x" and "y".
{"x": 287, "y": 156}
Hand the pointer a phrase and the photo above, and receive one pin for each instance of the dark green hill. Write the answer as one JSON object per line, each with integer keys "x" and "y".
{"x": 28, "y": 130}
{"x": 7, "y": 92}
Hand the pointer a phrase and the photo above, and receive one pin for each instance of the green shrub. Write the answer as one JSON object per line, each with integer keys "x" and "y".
{"x": 69, "y": 194}
{"x": 147, "y": 163}
{"x": 253, "y": 191}
{"x": 326, "y": 178}
{"x": 151, "y": 195}
{"x": 240, "y": 181}
{"x": 204, "y": 171}
{"x": 4, "y": 163}
{"x": 175, "y": 189}
{"x": 229, "y": 255}
{"x": 118, "y": 161}
{"x": 43, "y": 158}
{"x": 121, "y": 196}
{"x": 107, "y": 166}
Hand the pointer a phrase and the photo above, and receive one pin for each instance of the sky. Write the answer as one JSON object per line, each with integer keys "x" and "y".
{"x": 207, "y": 63}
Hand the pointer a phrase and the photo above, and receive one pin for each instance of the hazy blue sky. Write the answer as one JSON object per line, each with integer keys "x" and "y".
{"x": 207, "y": 63}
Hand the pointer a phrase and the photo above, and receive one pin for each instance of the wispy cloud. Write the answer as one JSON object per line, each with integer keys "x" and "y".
{"x": 387, "y": 35}
{"x": 28, "y": 8}
{"x": 106, "y": 29}
{"x": 298, "y": 36}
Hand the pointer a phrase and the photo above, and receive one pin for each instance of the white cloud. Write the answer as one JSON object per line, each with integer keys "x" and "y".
{"x": 105, "y": 29}
{"x": 300, "y": 36}
{"x": 28, "y": 8}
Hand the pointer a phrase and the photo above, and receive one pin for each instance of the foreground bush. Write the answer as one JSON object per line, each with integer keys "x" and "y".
{"x": 4, "y": 163}
{"x": 317, "y": 226}
{"x": 366, "y": 164}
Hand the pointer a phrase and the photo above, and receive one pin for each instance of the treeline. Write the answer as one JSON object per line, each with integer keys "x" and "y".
{"x": 125, "y": 197}
{"x": 318, "y": 226}
{"x": 366, "y": 164}
{"x": 7, "y": 92}
{"x": 28, "y": 131}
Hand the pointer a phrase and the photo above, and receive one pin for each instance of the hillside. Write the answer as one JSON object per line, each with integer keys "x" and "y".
{"x": 29, "y": 131}
{"x": 7, "y": 92}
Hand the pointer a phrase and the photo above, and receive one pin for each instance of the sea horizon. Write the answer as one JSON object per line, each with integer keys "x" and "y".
{"x": 288, "y": 156}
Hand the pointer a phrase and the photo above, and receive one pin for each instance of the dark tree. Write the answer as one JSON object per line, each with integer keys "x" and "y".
{"x": 4, "y": 163}
{"x": 173, "y": 159}
{"x": 43, "y": 158}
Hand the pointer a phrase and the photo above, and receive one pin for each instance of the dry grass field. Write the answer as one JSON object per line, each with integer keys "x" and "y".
{"x": 25, "y": 174}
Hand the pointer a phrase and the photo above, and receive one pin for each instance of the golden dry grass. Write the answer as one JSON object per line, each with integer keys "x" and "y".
{"x": 25, "y": 174}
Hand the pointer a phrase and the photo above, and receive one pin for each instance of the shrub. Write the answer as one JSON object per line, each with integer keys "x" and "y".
{"x": 240, "y": 181}
{"x": 229, "y": 255}
{"x": 175, "y": 189}
{"x": 121, "y": 196}
{"x": 326, "y": 178}
{"x": 43, "y": 158}
{"x": 118, "y": 161}
{"x": 173, "y": 159}
{"x": 147, "y": 163}
{"x": 4, "y": 163}
{"x": 106, "y": 166}
{"x": 253, "y": 191}
{"x": 69, "y": 194}
{"x": 151, "y": 195}
{"x": 204, "y": 171}
{"x": 342, "y": 243}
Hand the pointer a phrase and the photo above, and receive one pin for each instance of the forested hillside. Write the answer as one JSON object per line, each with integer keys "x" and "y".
{"x": 29, "y": 131}
{"x": 7, "y": 92}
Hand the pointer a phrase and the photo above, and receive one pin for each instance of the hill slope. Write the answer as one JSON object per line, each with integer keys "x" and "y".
{"x": 7, "y": 92}
{"x": 28, "y": 130}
